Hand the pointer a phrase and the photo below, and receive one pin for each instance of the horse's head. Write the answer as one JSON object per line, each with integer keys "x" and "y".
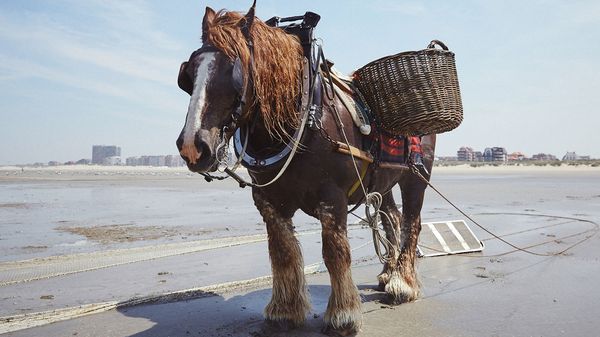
{"x": 216, "y": 82}
{"x": 243, "y": 69}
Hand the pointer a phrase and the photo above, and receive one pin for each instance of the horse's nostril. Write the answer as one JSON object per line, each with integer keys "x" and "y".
{"x": 190, "y": 153}
{"x": 205, "y": 150}
{"x": 197, "y": 153}
{"x": 202, "y": 147}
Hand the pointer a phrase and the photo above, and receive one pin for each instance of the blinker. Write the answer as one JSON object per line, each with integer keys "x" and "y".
{"x": 237, "y": 76}
{"x": 184, "y": 81}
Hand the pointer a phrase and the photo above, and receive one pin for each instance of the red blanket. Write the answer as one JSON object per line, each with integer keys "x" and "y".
{"x": 398, "y": 149}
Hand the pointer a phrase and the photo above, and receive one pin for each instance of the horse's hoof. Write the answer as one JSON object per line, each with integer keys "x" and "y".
{"x": 347, "y": 330}
{"x": 399, "y": 291}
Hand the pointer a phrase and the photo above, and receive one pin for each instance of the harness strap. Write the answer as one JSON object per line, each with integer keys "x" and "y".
{"x": 363, "y": 172}
{"x": 306, "y": 101}
{"x": 353, "y": 151}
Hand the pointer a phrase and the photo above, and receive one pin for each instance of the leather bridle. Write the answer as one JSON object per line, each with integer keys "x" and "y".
{"x": 186, "y": 84}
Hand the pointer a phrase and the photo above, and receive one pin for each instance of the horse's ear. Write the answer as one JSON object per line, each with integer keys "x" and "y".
{"x": 249, "y": 20}
{"x": 184, "y": 81}
{"x": 209, "y": 16}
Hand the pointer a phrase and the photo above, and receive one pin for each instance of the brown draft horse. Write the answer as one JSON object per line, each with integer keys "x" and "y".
{"x": 318, "y": 178}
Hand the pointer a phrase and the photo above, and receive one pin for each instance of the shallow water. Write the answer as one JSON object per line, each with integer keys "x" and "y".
{"x": 43, "y": 213}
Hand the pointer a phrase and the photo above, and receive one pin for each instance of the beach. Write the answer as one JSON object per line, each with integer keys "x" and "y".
{"x": 78, "y": 236}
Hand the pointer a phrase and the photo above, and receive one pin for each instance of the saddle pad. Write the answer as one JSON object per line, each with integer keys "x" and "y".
{"x": 399, "y": 149}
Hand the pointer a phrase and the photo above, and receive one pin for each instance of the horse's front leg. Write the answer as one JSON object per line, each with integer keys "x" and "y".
{"x": 343, "y": 315}
{"x": 289, "y": 302}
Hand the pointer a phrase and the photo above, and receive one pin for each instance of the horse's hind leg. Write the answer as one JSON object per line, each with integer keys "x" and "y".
{"x": 391, "y": 226}
{"x": 403, "y": 285}
{"x": 343, "y": 315}
{"x": 289, "y": 303}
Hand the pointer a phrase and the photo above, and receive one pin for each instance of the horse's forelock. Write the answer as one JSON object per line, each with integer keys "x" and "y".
{"x": 276, "y": 67}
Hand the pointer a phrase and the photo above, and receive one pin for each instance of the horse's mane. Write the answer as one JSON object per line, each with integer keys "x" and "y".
{"x": 276, "y": 69}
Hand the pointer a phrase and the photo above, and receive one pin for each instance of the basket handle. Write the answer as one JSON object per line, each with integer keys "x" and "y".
{"x": 438, "y": 43}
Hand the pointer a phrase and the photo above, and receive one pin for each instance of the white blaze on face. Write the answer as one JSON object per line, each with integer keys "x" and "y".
{"x": 196, "y": 107}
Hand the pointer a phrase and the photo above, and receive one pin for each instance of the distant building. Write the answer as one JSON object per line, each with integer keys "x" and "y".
{"x": 477, "y": 156}
{"x": 101, "y": 152}
{"x": 499, "y": 154}
{"x": 83, "y": 162}
{"x": 53, "y": 163}
{"x": 170, "y": 161}
{"x": 156, "y": 160}
{"x": 487, "y": 154}
{"x": 174, "y": 161}
{"x": 132, "y": 161}
{"x": 544, "y": 157}
{"x": 496, "y": 154}
{"x": 112, "y": 161}
{"x": 516, "y": 156}
{"x": 572, "y": 156}
{"x": 465, "y": 153}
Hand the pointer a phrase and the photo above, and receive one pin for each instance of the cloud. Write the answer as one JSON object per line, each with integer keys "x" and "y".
{"x": 133, "y": 49}
{"x": 132, "y": 19}
{"x": 24, "y": 69}
{"x": 144, "y": 98}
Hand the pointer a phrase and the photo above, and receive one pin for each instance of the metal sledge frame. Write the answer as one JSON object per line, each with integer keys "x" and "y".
{"x": 451, "y": 240}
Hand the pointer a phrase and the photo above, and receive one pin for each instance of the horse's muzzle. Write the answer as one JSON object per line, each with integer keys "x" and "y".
{"x": 198, "y": 156}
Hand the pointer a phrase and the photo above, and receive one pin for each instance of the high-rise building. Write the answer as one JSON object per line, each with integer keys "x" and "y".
{"x": 495, "y": 154}
{"x": 488, "y": 154}
{"x": 499, "y": 154}
{"x": 101, "y": 152}
{"x": 465, "y": 153}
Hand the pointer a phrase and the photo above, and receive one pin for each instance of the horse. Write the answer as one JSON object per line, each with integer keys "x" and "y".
{"x": 248, "y": 74}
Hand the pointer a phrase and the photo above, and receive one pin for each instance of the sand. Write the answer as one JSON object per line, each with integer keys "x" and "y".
{"x": 86, "y": 211}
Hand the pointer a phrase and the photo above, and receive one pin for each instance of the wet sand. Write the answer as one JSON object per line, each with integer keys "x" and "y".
{"x": 481, "y": 295}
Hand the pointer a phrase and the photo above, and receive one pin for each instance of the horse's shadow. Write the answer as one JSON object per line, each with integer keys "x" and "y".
{"x": 241, "y": 315}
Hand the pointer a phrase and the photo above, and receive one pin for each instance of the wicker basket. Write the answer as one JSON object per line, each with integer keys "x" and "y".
{"x": 413, "y": 93}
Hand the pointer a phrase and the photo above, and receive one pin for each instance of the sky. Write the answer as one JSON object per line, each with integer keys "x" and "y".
{"x": 78, "y": 73}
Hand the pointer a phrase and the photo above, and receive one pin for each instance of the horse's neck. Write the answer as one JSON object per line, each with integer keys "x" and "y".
{"x": 259, "y": 138}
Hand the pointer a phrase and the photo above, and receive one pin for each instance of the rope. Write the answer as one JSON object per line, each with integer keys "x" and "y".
{"x": 416, "y": 171}
{"x": 374, "y": 199}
